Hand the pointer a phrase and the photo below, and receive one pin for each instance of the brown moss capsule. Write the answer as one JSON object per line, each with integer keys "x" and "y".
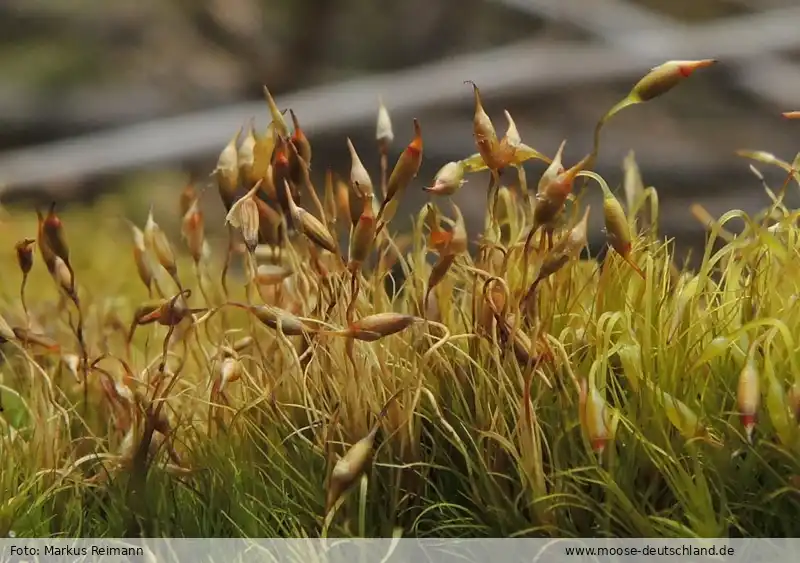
{"x": 244, "y": 215}
{"x": 291, "y": 325}
{"x": 188, "y": 196}
{"x": 511, "y": 151}
{"x": 438, "y": 239}
{"x": 562, "y": 186}
{"x": 229, "y": 371}
{"x": 618, "y": 231}
{"x": 355, "y": 461}
{"x": 146, "y": 312}
{"x": 141, "y": 258}
{"x": 227, "y": 171}
{"x": 383, "y": 128}
{"x": 53, "y": 233}
{"x": 349, "y": 468}
{"x": 309, "y": 225}
{"x": 192, "y": 229}
{"x": 448, "y": 179}
{"x": 243, "y": 343}
{"x": 665, "y": 77}
{"x": 438, "y": 273}
{"x": 375, "y": 327}
{"x": 281, "y": 175}
{"x": 551, "y": 173}
{"x": 362, "y": 236}
{"x": 26, "y": 337}
{"x": 512, "y": 136}
{"x": 263, "y": 151}
{"x": 270, "y": 224}
{"x": 658, "y": 81}
{"x": 458, "y": 239}
{"x": 277, "y": 116}
{"x": 299, "y": 139}
{"x": 156, "y": 241}
{"x": 271, "y": 274}
{"x": 171, "y": 311}
{"x": 577, "y": 239}
{"x": 359, "y": 177}
{"x": 268, "y": 186}
{"x": 404, "y": 171}
{"x": 446, "y": 243}
{"x": 791, "y": 114}
{"x": 343, "y": 207}
{"x": 748, "y": 397}
{"x": 355, "y": 203}
{"x": 632, "y": 184}
{"x": 48, "y": 256}
{"x": 24, "y": 252}
{"x": 302, "y": 148}
{"x": 63, "y": 277}
{"x": 553, "y": 194}
{"x": 595, "y": 417}
{"x": 483, "y": 131}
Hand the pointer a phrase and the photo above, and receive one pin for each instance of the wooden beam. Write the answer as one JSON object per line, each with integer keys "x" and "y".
{"x": 528, "y": 67}
{"x": 763, "y": 73}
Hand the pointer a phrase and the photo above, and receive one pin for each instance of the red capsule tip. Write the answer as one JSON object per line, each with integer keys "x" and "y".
{"x": 599, "y": 445}
{"x": 748, "y": 420}
{"x": 415, "y": 146}
{"x": 686, "y": 68}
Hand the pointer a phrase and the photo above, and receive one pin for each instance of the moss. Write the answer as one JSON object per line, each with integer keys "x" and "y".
{"x": 605, "y": 404}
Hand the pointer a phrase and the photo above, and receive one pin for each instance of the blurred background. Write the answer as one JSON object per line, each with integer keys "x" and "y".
{"x": 139, "y": 97}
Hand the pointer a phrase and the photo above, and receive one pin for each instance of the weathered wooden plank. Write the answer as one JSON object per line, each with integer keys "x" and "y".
{"x": 527, "y": 67}
{"x": 767, "y": 75}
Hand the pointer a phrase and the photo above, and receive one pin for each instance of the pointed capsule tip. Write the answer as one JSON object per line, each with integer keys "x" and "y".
{"x": 791, "y": 114}
{"x": 688, "y": 67}
{"x": 703, "y": 63}
{"x": 233, "y": 142}
{"x": 560, "y": 151}
{"x": 295, "y": 123}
